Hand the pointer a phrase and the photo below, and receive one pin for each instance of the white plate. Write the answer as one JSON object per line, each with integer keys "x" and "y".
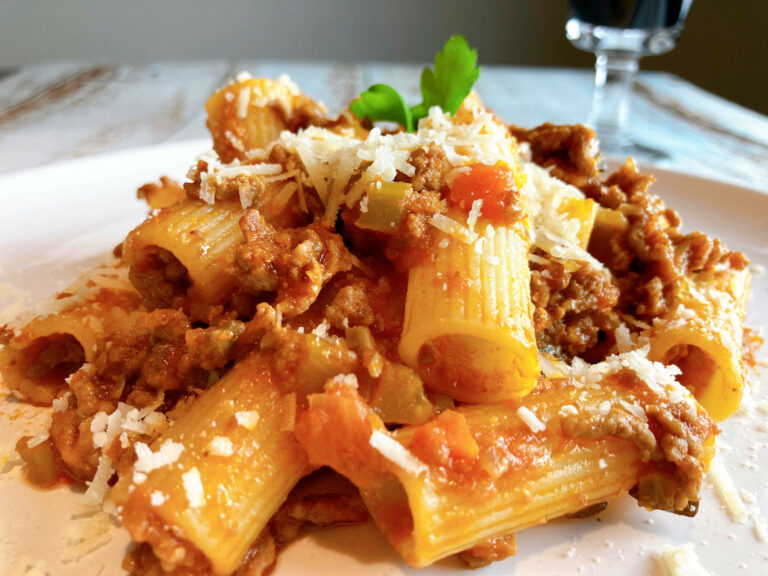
{"x": 58, "y": 220}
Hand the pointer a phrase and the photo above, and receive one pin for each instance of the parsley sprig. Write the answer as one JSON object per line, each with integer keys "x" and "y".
{"x": 454, "y": 74}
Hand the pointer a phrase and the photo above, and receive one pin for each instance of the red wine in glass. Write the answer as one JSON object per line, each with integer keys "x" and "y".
{"x": 619, "y": 33}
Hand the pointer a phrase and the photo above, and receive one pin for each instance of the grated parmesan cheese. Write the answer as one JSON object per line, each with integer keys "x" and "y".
{"x": 98, "y": 487}
{"x": 552, "y": 367}
{"x": 221, "y": 446}
{"x": 658, "y": 378}
{"x": 332, "y": 161}
{"x": 147, "y": 461}
{"x": 98, "y": 428}
{"x": 61, "y": 403}
{"x": 760, "y": 528}
{"x": 106, "y": 427}
{"x": 536, "y": 259}
{"x": 747, "y": 496}
{"x": 655, "y": 375}
{"x": 243, "y": 99}
{"x": 157, "y": 498}
{"x": 247, "y": 419}
{"x": 193, "y": 487}
{"x": 726, "y": 491}
{"x": 349, "y": 380}
{"x": 682, "y": 561}
{"x": 623, "y": 339}
{"x": 634, "y": 409}
{"x": 236, "y": 169}
{"x": 321, "y": 330}
{"x": 214, "y": 175}
{"x": 530, "y": 419}
{"x": 396, "y": 453}
{"x": 453, "y": 228}
{"x": 684, "y": 313}
{"x": 568, "y": 410}
{"x": 474, "y": 214}
{"x": 83, "y": 535}
{"x": 551, "y": 230}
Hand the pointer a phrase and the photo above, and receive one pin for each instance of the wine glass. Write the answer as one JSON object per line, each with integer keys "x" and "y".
{"x": 619, "y": 33}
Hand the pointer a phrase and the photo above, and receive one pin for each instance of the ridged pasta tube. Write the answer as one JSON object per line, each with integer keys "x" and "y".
{"x": 42, "y": 353}
{"x": 443, "y": 522}
{"x": 238, "y": 463}
{"x": 201, "y": 237}
{"x": 251, "y": 113}
{"x": 468, "y": 328}
{"x": 479, "y": 472}
{"x": 237, "y": 457}
{"x": 703, "y": 337}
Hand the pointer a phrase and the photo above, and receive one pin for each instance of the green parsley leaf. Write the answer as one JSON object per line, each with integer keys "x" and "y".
{"x": 452, "y": 79}
{"x": 454, "y": 74}
{"x": 382, "y": 102}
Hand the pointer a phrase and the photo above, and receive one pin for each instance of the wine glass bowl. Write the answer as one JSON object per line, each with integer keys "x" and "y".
{"x": 620, "y": 33}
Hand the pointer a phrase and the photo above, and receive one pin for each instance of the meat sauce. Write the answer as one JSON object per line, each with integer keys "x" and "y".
{"x": 576, "y": 310}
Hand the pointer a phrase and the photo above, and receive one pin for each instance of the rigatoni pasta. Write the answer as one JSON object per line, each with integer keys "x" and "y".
{"x": 73, "y": 330}
{"x": 468, "y": 325}
{"x": 412, "y": 309}
{"x": 703, "y": 336}
{"x": 187, "y": 249}
{"x": 567, "y": 446}
{"x": 224, "y": 469}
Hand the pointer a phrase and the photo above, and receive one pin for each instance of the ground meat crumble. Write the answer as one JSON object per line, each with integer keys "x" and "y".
{"x": 573, "y": 304}
{"x": 645, "y": 251}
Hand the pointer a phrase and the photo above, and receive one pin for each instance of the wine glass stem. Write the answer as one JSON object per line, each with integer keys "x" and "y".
{"x": 614, "y": 76}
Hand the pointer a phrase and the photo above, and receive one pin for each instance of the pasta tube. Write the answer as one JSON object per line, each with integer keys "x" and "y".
{"x": 443, "y": 522}
{"x": 42, "y": 353}
{"x": 468, "y": 328}
{"x": 478, "y": 472}
{"x": 236, "y": 461}
{"x": 703, "y": 337}
{"x": 234, "y": 456}
{"x": 251, "y": 112}
{"x": 187, "y": 249}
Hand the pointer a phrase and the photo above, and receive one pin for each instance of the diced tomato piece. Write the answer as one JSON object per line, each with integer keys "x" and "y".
{"x": 444, "y": 441}
{"x": 335, "y": 431}
{"x": 491, "y": 184}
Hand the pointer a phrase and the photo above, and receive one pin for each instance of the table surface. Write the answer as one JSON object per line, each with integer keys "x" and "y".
{"x": 59, "y": 111}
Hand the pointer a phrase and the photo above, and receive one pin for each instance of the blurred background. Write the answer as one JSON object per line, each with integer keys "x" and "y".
{"x": 722, "y": 49}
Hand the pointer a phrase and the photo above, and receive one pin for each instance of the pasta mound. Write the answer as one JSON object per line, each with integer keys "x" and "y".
{"x": 460, "y": 332}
